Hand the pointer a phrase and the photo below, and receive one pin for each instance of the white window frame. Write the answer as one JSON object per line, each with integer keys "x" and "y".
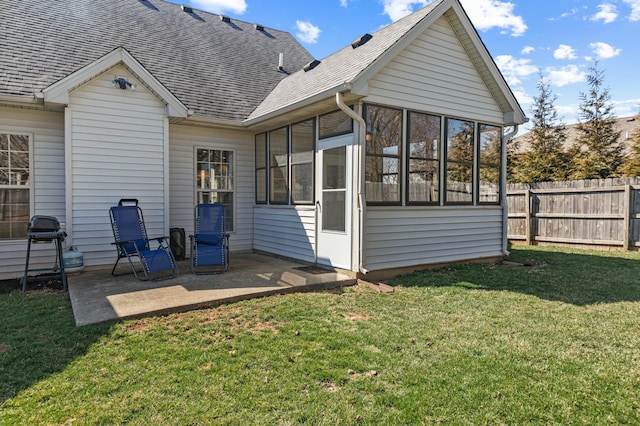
{"x": 30, "y": 187}
{"x": 234, "y": 178}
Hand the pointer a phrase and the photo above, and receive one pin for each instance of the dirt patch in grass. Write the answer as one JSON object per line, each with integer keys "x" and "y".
{"x": 40, "y": 285}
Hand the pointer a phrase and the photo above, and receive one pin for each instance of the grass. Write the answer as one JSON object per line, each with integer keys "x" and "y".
{"x": 558, "y": 342}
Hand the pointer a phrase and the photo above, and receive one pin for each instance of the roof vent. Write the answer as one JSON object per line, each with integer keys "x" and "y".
{"x": 311, "y": 65}
{"x": 362, "y": 40}
{"x": 225, "y": 18}
{"x": 186, "y": 9}
{"x": 281, "y": 62}
{"x": 258, "y": 27}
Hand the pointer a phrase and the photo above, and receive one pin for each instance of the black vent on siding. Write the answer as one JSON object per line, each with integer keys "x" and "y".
{"x": 258, "y": 27}
{"x": 186, "y": 9}
{"x": 362, "y": 40}
{"x": 225, "y": 18}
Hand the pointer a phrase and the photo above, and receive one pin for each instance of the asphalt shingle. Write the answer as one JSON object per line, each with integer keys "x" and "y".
{"x": 217, "y": 69}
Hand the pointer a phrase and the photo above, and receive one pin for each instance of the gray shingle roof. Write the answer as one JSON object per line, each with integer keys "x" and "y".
{"x": 217, "y": 69}
{"x": 341, "y": 67}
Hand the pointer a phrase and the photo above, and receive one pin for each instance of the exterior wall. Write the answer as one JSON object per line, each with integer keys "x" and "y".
{"x": 434, "y": 74}
{"x": 116, "y": 149}
{"x": 183, "y": 142}
{"x": 286, "y": 231}
{"x": 48, "y": 191}
{"x": 413, "y": 236}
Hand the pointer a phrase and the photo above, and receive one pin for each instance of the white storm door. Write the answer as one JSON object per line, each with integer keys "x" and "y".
{"x": 333, "y": 243}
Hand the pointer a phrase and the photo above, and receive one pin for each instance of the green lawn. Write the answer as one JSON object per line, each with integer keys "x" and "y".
{"x": 558, "y": 342}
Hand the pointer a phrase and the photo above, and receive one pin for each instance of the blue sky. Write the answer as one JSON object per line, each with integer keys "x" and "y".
{"x": 560, "y": 38}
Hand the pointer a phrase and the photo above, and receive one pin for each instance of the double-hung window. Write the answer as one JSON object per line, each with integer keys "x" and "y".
{"x": 215, "y": 181}
{"x": 15, "y": 185}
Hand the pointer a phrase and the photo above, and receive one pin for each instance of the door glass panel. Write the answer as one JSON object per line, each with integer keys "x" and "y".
{"x": 334, "y": 163}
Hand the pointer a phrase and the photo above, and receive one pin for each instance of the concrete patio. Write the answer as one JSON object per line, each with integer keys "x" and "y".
{"x": 97, "y": 296}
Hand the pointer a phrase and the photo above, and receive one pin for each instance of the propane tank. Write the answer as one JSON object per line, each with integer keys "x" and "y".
{"x": 73, "y": 260}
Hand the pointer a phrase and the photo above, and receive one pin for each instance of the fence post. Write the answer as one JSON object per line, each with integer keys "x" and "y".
{"x": 628, "y": 229}
{"x": 527, "y": 212}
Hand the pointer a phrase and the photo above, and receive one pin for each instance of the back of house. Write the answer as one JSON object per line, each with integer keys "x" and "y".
{"x": 387, "y": 155}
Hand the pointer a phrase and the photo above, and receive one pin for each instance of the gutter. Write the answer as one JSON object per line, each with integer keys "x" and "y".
{"x": 357, "y": 173}
{"x": 503, "y": 178}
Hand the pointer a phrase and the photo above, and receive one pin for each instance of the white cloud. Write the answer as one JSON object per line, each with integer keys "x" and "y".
{"x": 397, "y": 9}
{"x": 527, "y": 49}
{"x": 343, "y": 3}
{"x": 607, "y": 14}
{"x": 626, "y": 108}
{"x": 564, "y": 52}
{"x": 604, "y": 50}
{"x": 514, "y": 69}
{"x": 635, "y": 9}
{"x": 237, "y": 7}
{"x": 487, "y": 14}
{"x": 565, "y": 75}
{"x": 307, "y": 32}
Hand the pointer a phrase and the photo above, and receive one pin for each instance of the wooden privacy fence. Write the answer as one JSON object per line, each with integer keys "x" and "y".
{"x": 603, "y": 213}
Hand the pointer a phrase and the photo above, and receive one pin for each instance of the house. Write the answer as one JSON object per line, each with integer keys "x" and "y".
{"x": 386, "y": 156}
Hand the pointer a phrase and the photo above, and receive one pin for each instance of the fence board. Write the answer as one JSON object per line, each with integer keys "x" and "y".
{"x": 602, "y": 212}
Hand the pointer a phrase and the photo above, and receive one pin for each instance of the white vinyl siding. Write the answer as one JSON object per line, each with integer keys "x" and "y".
{"x": 286, "y": 231}
{"x": 48, "y": 192}
{"x": 117, "y": 150}
{"x": 182, "y": 144}
{"x": 434, "y": 74}
{"x": 413, "y": 236}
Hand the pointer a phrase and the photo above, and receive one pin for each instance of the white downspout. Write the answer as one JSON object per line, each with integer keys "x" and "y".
{"x": 503, "y": 184}
{"x": 362, "y": 126}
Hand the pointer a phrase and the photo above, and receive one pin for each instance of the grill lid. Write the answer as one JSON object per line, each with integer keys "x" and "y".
{"x": 44, "y": 224}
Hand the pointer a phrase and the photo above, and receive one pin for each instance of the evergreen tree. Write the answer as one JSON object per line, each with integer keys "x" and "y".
{"x": 545, "y": 160}
{"x": 631, "y": 163}
{"x": 597, "y": 153}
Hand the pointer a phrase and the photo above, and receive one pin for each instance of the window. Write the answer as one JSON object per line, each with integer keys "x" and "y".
{"x": 279, "y": 166}
{"x": 335, "y": 124}
{"x": 459, "y": 164}
{"x": 302, "y": 150}
{"x": 215, "y": 181}
{"x": 285, "y": 167}
{"x": 14, "y": 185}
{"x": 261, "y": 168}
{"x": 423, "y": 139}
{"x": 490, "y": 147}
{"x": 383, "y": 146}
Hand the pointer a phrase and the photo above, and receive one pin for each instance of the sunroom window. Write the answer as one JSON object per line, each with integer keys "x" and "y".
{"x": 15, "y": 185}
{"x": 490, "y": 147}
{"x": 215, "y": 181}
{"x": 459, "y": 164}
{"x": 302, "y": 150}
{"x": 423, "y": 141}
{"x": 383, "y": 154}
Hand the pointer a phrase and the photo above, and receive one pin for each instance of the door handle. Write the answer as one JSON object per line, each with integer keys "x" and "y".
{"x": 319, "y": 206}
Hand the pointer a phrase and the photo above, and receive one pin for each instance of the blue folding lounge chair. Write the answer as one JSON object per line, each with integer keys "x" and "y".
{"x": 210, "y": 243}
{"x": 131, "y": 240}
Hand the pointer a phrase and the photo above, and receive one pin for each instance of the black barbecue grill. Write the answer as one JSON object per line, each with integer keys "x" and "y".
{"x": 45, "y": 229}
